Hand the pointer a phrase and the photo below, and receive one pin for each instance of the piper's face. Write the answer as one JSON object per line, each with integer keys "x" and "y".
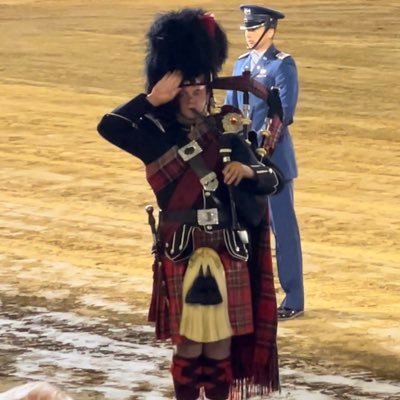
{"x": 193, "y": 99}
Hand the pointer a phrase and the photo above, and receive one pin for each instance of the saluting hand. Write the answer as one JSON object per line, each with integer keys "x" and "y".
{"x": 165, "y": 89}
{"x": 235, "y": 171}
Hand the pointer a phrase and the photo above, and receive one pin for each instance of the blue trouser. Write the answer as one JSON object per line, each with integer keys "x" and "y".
{"x": 287, "y": 247}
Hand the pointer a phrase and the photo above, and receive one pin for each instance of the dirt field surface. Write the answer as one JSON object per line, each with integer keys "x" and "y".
{"x": 74, "y": 242}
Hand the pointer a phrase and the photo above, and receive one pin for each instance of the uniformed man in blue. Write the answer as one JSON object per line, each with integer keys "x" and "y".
{"x": 274, "y": 68}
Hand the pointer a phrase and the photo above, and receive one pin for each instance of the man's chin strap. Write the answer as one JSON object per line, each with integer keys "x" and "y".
{"x": 266, "y": 27}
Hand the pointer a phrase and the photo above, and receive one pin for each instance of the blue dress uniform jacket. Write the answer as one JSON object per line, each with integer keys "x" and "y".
{"x": 276, "y": 69}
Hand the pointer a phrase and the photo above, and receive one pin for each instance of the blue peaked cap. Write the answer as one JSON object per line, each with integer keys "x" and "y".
{"x": 257, "y": 16}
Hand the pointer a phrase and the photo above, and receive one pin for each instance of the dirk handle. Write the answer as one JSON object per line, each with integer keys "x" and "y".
{"x": 152, "y": 221}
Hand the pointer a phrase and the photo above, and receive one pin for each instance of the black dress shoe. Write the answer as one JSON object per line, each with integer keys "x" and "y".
{"x": 286, "y": 313}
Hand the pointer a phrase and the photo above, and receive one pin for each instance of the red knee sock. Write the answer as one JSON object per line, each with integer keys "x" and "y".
{"x": 186, "y": 373}
{"x": 216, "y": 378}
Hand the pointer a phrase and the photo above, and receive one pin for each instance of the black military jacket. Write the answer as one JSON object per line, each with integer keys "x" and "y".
{"x": 136, "y": 128}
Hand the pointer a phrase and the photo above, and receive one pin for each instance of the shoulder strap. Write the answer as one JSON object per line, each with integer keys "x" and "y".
{"x": 281, "y": 55}
{"x": 191, "y": 153}
{"x": 243, "y": 55}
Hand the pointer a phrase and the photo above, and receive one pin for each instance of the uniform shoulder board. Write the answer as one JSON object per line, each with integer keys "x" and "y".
{"x": 281, "y": 55}
{"x": 243, "y": 55}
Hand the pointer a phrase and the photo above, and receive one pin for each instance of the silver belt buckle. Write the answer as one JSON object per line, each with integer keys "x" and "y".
{"x": 190, "y": 150}
{"x": 209, "y": 182}
{"x": 208, "y": 217}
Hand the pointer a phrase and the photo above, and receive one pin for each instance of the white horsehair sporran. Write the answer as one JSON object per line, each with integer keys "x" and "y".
{"x": 205, "y": 323}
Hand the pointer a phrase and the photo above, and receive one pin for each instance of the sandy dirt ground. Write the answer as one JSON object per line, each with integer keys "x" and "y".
{"x": 74, "y": 243}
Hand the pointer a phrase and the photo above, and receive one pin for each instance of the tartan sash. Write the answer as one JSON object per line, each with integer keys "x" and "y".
{"x": 171, "y": 168}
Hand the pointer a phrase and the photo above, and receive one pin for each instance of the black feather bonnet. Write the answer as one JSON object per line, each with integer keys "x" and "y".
{"x": 189, "y": 40}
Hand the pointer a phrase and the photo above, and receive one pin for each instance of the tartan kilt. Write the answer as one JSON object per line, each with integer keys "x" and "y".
{"x": 239, "y": 297}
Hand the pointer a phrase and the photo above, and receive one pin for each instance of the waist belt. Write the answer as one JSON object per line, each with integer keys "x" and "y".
{"x": 202, "y": 217}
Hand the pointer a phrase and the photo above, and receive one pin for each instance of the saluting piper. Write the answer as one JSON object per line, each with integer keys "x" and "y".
{"x": 217, "y": 309}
